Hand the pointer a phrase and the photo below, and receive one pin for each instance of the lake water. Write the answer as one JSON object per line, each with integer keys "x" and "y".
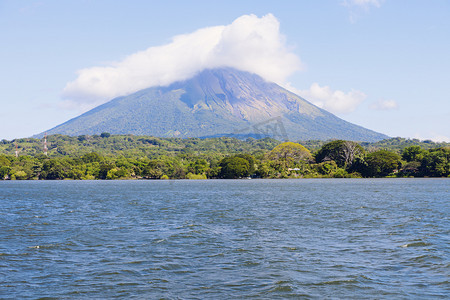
{"x": 225, "y": 239}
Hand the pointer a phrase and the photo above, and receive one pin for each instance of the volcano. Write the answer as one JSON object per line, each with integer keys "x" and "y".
{"x": 216, "y": 102}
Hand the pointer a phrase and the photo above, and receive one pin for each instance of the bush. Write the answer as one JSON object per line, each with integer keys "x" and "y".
{"x": 195, "y": 176}
{"x": 20, "y": 175}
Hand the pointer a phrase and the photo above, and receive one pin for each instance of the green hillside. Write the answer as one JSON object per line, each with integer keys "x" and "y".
{"x": 149, "y": 146}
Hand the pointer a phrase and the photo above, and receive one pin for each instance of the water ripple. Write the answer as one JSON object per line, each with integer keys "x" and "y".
{"x": 262, "y": 239}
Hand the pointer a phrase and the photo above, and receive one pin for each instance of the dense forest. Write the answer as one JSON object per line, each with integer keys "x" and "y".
{"x": 108, "y": 156}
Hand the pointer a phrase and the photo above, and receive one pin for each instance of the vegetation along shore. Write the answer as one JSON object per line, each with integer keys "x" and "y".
{"x": 108, "y": 156}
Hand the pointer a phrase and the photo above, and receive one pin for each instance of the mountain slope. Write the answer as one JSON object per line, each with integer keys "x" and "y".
{"x": 216, "y": 102}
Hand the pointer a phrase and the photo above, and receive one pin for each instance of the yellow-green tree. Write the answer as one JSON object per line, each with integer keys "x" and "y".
{"x": 290, "y": 152}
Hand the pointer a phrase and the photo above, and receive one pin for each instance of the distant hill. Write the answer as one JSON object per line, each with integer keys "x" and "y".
{"x": 214, "y": 103}
{"x": 148, "y": 146}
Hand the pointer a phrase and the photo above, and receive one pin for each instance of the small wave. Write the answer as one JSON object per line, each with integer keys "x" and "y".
{"x": 291, "y": 248}
{"x": 48, "y": 246}
{"x": 444, "y": 283}
{"x": 242, "y": 250}
{"x": 216, "y": 255}
{"x": 336, "y": 282}
{"x": 135, "y": 262}
{"x": 416, "y": 244}
{"x": 59, "y": 246}
{"x": 127, "y": 284}
{"x": 171, "y": 266}
{"x": 423, "y": 258}
{"x": 282, "y": 286}
{"x": 250, "y": 263}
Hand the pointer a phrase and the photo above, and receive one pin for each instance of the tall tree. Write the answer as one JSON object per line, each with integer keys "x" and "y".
{"x": 234, "y": 167}
{"x": 436, "y": 163}
{"x": 413, "y": 153}
{"x": 382, "y": 163}
{"x": 290, "y": 152}
{"x": 342, "y": 152}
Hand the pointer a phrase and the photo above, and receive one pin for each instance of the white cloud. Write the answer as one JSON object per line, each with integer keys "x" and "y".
{"x": 363, "y": 3}
{"x": 356, "y": 7}
{"x": 249, "y": 43}
{"x": 334, "y": 101}
{"x": 384, "y": 105}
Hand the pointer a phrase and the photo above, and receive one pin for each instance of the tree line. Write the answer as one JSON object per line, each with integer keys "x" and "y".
{"x": 131, "y": 157}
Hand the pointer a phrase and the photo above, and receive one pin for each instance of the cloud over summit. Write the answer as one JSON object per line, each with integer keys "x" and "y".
{"x": 249, "y": 43}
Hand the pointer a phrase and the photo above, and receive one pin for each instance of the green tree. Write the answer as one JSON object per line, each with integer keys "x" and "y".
{"x": 198, "y": 166}
{"x": 4, "y": 161}
{"x": 20, "y": 175}
{"x": 436, "y": 163}
{"x": 411, "y": 168}
{"x": 342, "y": 152}
{"x": 290, "y": 153}
{"x": 234, "y": 167}
{"x": 413, "y": 153}
{"x": 4, "y": 172}
{"x": 91, "y": 157}
{"x": 116, "y": 173}
{"x": 251, "y": 160}
{"x": 265, "y": 169}
{"x": 327, "y": 167}
{"x": 104, "y": 168}
{"x": 155, "y": 169}
{"x": 381, "y": 163}
{"x": 56, "y": 169}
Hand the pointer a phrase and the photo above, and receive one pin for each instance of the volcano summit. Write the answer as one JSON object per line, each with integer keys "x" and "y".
{"x": 215, "y": 102}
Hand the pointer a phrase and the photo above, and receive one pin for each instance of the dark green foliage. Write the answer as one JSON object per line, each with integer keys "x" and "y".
{"x": 4, "y": 161}
{"x": 436, "y": 163}
{"x": 342, "y": 152}
{"x": 155, "y": 169}
{"x": 131, "y": 157}
{"x": 91, "y": 157}
{"x": 4, "y": 172}
{"x": 413, "y": 153}
{"x": 251, "y": 160}
{"x": 327, "y": 167}
{"x": 411, "y": 169}
{"x": 104, "y": 168}
{"x": 198, "y": 166}
{"x": 381, "y": 163}
{"x": 57, "y": 169}
{"x": 234, "y": 167}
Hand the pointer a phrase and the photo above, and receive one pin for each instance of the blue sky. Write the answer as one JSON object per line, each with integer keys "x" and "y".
{"x": 380, "y": 64}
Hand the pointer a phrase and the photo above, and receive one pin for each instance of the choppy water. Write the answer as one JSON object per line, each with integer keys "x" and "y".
{"x": 262, "y": 239}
